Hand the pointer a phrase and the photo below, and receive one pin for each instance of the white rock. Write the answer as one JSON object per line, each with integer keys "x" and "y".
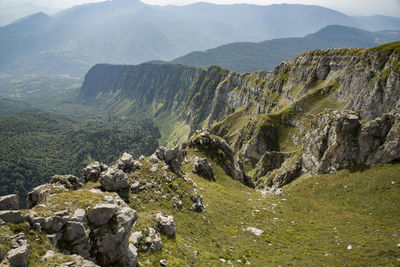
{"x": 255, "y": 231}
{"x": 349, "y": 247}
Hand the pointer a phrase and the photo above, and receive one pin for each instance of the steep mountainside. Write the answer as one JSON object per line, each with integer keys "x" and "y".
{"x": 250, "y": 57}
{"x": 265, "y": 115}
{"x": 131, "y": 32}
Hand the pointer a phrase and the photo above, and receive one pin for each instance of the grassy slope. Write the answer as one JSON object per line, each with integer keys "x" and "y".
{"x": 318, "y": 220}
{"x": 312, "y": 226}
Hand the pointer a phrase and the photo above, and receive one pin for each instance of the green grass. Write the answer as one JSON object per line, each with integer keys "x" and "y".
{"x": 319, "y": 218}
{"x": 390, "y": 46}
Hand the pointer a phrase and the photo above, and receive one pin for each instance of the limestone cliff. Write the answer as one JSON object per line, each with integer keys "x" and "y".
{"x": 263, "y": 115}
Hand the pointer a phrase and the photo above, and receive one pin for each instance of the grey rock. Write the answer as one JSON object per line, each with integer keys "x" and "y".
{"x": 136, "y": 237}
{"x": 79, "y": 216}
{"x": 19, "y": 256}
{"x": 166, "y": 225}
{"x": 126, "y": 163}
{"x": 54, "y": 238}
{"x": 49, "y": 255}
{"x": 203, "y": 168}
{"x": 73, "y": 231}
{"x": 154, "y": 168}
{"x": 91, "y": 173}
{"x": 132, "y": 256}
{"x": 54, "y": 224}
{"x": 9, "y": 202}
{"x": 36, "y": 195}
{"x": 113, "y": 180}
{"x": 232, "y": 167}
{"x": 12, "y": 216}
{"x": 163, "y": 262}
{"x": 126, "y": 215}
{"x": 198, "y": 204}
{"x": 153, "y": 158}
{"x": 152, "y": 241}
{"x": 101, "y": 214}
{"x": 135, "y": 187}
{"x": 68, "y": 181}
{"x": 172, "y": 157}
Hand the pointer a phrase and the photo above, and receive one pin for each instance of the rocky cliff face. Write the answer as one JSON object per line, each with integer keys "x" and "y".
{"x": 268, "y": 114}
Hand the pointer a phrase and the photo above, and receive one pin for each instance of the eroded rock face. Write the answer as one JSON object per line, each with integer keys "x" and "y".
{"x": 217, "y": 149}
{"x": 172, "y": 157}
{"x": 91, "y": 173}
{"x": 203, "y": 168}
{"x": 338, "y": 141}
{"x": 68, "y": 181}
{"x": 113, "y": 179}
{"x": 9, "y": 202}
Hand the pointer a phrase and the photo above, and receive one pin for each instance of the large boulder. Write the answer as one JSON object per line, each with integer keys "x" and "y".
{"x": 113, "y": 179}
{"x": 91, "y": 173}
{"x": 9, "y": 202}
{"x": 203, "y": 168}
{"x": 68, "y": 181}
{"x": 101, "y": 214}
{"x": 12, "y": 216}
{"x": 19, "y": 256}
{"x": 172, "y": 157}
{"x": 127, "y": 163}
{"x": 166, "y": 225}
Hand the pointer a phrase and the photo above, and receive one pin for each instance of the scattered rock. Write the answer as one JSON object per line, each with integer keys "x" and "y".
{"x": 136, "y": 237}
{"x": 255, "y": 231}
{"x": 163, "y": 262}
{"x": 166, "y": 225}
{"x": 153, "y": 158}
{"x": 154, "y": 168}
{"x": 9, "y": 202}
{"x": 203, "y": 168}
{"x": 349, "y": 247}
{"x": 91, "y": 173}
{"x": 68, "y": 181}
{"x": 49, "y": 255}
{"x": 135, "y": 187}
{"x": 198, "y": 204}
{"x": 152, "y": 241}
{"x": 102, "y": 213}
{"x": 113, "y": 179}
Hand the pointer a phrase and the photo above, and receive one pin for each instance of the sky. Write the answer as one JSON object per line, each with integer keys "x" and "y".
{"x": 350, "y": 7}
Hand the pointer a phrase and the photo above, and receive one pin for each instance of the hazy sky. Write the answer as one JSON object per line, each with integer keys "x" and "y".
{"x": 351, "y": 7}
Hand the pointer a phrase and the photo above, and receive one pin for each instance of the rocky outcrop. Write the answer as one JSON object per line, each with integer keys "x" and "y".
{"x": 172, "y": 157}
{"x": 152, "y": 241}
{"x": 338, "y": 140}
{"x": 9, "y": 202}
{"x": 126, "y": 163}
{"x": 91, "y": 173}
{"x": 197, "y": 204}
{"x": 68, "y": 181}
{"x": 203, "y": 168}
{"x": 113, "y": 179}
{"x": 217, "y": 149}
{"x": 166, "y": 225}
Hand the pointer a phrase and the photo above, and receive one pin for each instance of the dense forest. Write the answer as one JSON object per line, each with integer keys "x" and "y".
{"x": 35, "y": 146}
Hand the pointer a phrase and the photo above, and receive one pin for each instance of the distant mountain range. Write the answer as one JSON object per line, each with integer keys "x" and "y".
{"x": 250, "y": 57}
{"x": 131, "y": 32}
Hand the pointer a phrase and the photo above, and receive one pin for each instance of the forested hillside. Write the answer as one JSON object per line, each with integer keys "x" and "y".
{"x": 35, "y": 146}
